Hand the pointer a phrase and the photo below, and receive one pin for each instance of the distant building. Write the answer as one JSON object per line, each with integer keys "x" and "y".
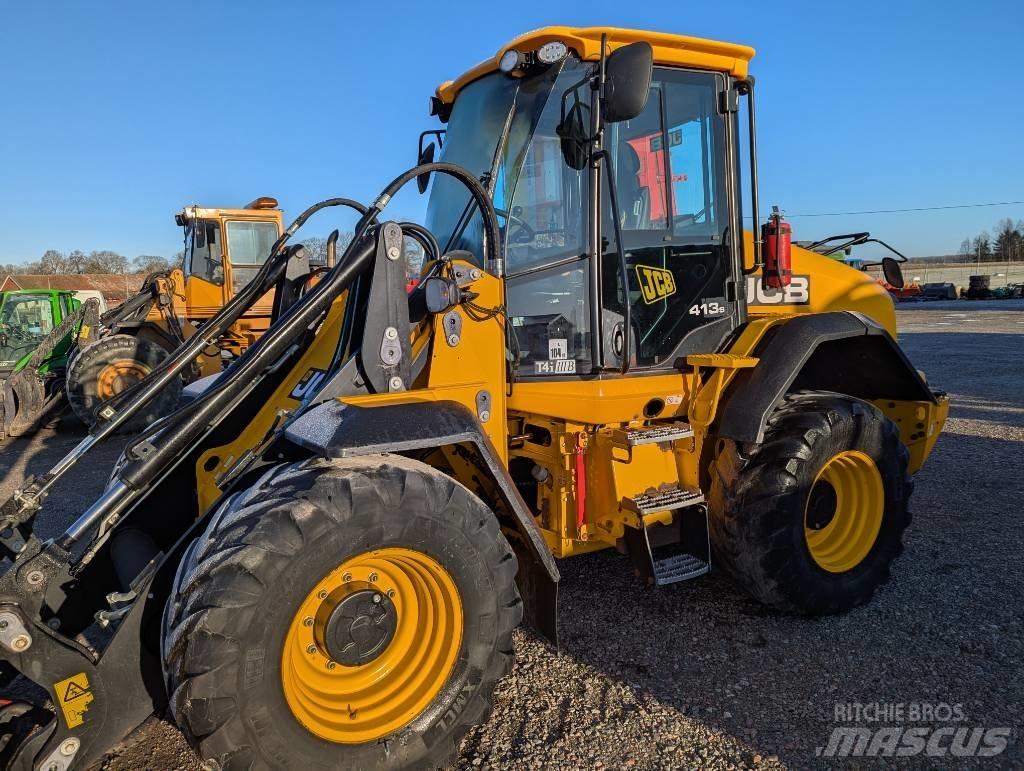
{"x": 114, "y": 287}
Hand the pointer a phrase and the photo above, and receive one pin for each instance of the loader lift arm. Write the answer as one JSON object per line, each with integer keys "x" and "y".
{"x": 48, "y": 582}
{"x": 16, "y": 513}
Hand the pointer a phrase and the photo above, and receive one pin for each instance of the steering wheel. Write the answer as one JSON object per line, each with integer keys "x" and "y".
{"x": 523, "y": 233}
{"x": 16, "y": 334}
{"x": 687, "y": 221}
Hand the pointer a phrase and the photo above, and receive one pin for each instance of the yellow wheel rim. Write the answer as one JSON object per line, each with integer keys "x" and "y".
{"x": 372, "y": 645}
{"x": 119, "y": 375}
{"x": 844, "y": 511}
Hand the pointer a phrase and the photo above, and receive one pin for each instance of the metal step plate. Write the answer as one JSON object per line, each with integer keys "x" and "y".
{"x": 665, "y": 499}
{"x": 670, "y": 432}
{"x": 680, "y": 567}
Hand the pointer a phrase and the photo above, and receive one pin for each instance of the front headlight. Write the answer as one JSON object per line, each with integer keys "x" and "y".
{"x": 509, "y": 61}
{"x": 552, "y": 52}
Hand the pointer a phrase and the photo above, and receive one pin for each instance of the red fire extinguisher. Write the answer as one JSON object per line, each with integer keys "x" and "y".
{"x": 777, "y": 236}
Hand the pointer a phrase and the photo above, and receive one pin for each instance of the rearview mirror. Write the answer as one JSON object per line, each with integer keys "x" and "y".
{"x": 426, "y": 156}
{"x": 572, "y": 134}
{"x": 893, "y": 272}
{"x": 627, "y": 81}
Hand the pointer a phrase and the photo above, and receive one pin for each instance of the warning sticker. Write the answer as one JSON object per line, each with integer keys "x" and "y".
{"x": 74, "y": 696}
{"x": 558, "y": 348}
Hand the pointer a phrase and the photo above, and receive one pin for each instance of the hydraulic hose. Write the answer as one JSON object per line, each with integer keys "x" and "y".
{"x": 422, "y": 236}
{"x": 169, "y": 441}
{"x": 490, "y": 217}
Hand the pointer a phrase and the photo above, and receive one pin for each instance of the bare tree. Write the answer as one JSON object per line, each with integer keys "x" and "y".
{"x": 981, "y": 248}
{"x": 105, "y": 261}
{"x": 317, "y": 247}
{"x": 1007, "y": 240}
{"x": 76, "y": 262}
{"x": 150, "y": 263}
{"x": 53, "y": 261}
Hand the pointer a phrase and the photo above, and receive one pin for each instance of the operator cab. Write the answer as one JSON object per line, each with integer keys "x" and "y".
{"x": 528, "y": 134}
{"x": 241, "y": 239}
{"x": 25, "y": 319}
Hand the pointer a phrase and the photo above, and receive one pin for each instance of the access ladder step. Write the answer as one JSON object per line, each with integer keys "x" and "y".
{"x": 678, "y": 567}
{"x": 666, "y": 432}
{"x": 666, "y": 498}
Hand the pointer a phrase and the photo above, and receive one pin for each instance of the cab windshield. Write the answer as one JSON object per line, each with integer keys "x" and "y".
{"x": 541, "y": 203}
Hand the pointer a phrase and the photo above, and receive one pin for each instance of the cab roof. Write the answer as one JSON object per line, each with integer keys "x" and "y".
{"x": 669, "y": 49}
{"x": 263, "y": 208}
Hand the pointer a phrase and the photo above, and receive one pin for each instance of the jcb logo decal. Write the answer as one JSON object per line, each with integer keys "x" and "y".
{"x": 310, "y": 381}
{"x": 655, "y": 283}
{"x": 797, "y": 293}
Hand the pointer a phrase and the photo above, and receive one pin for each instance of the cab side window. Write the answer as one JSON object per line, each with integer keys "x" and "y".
{"x": 206, "y": 259}
{"x": 249, "y": 245}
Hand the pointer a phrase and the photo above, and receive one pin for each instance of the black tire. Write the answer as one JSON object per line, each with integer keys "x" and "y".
{"x": 240, "y": 585}
{"x": 88, "y": 364}
{"x": 759, "y": 497}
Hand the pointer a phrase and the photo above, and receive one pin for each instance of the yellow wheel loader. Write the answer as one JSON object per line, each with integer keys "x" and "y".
{"x": 223, "y": 251}
{"x": 319, "y": 559}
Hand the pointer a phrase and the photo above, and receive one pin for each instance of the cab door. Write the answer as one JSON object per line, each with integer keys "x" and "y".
{"x": 670, "y": 166}
{"x": 204, "y": 269}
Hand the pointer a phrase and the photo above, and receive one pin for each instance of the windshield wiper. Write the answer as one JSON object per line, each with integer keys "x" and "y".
{"x": 485, "y": 179}
{"x": 463, "y": 221}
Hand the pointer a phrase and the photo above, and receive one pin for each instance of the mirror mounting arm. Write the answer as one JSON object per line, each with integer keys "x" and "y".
{"x": 627, "y": 321}
{"x": 746, "y": 88}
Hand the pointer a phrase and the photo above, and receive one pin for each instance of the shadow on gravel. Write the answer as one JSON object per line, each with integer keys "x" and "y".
{"x": 24, "y": 456}
{"x": 985, "y": 409}
{"x": 703, "y": 648}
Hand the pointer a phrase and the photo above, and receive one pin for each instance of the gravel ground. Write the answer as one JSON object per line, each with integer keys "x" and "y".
{"x": 697, "y": 675}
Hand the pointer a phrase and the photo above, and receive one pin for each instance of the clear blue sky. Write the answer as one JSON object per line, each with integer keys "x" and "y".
{"x": 116, "y": 114}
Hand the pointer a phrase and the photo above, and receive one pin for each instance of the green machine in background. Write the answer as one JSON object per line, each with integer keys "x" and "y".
{"x": 38, "y": 328}
{"x": 26, "y": 318}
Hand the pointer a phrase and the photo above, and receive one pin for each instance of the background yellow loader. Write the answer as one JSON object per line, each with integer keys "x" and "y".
{"x": 318, "y": 561}
{"x": 224, "y": 249}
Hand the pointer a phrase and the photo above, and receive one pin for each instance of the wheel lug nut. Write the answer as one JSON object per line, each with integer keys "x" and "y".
{"x": 311, "y": 649}
{"x": 373, "y": 578}
{"x": 391, "y": 592}
{"x": 331, "y": 665}
{"x": 308, "y": 621}
{"x": 322, "y": 595}
{"x": 347, "y": 577}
